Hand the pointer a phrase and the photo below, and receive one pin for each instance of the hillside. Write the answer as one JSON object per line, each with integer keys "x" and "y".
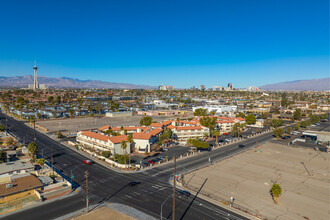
{"x": 300, "y": 85}
{"x": 65, "y": 82}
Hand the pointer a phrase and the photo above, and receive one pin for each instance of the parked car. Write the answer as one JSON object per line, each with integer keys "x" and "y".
{"x": 151, "y": 162}
{"x": 88, "y": 162}
{"x": 225, "y": 133}
{"x": 134, "y": 183}
{"x": 286, "y": 137}
{"x": 165, "y": 149}
{"x": 184, "y": 193}
{"x": 161, "y": 157}
{"x": 241, "y": 145}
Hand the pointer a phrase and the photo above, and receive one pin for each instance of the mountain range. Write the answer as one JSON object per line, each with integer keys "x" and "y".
{"x": 300, "y": 85}
{"x": 65, "y": 82}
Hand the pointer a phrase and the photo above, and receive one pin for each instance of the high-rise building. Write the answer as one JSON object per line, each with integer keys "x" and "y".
{"x": 230, "y": 86}
{"x": 201, "y": 87}
{"x": 35, "y": 84}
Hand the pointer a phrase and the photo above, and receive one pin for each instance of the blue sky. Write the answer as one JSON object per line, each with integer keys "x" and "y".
{"x": 179, "y": 43}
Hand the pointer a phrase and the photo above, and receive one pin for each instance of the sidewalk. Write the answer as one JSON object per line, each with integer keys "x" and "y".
{"x": 109, "y": 211}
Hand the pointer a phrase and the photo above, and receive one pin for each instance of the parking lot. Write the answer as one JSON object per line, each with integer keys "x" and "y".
{"x": 179, "y": 150}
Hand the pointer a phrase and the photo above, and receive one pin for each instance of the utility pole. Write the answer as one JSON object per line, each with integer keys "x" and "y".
{"x": 6, "y": 122}
{"x": 26, "y": 138}
{"x": 86, "y": 191}
{"x": 173, "y": 212}
{"x": 51, "y": 155}
{"x": 34, "y": 127}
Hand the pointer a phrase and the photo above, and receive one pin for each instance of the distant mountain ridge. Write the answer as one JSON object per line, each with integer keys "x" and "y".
{"x": 66, "y": 82}
{"x": 300, "y": 85}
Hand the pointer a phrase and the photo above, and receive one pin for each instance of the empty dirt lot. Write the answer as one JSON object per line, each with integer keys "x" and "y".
{"x": 249, "y": 176}
{"x": 72, "y": 125}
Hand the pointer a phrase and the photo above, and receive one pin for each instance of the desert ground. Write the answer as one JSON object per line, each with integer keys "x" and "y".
{"x": 248, "y": 177}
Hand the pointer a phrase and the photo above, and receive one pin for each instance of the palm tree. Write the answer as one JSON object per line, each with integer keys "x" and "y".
{"x": 206, "y": 135}
{"x": 130, "y": 141}
{"x": 124, "y": 146}
{"x": 216, "y": 133}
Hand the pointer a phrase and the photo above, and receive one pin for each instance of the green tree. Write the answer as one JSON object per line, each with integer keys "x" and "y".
{"x": 50, "y": 98}
{"x": 268, "y": 123}
{"x": 71, "y": 111}
{"x": 277, "y": 122}
{"x": 305, "y": 124}
{"x": 146, "y": 120}
{"x": 197, "y": 143}
{"x": 264, "y": 115}
{"x": 2, "y": 127}
{"x": 250, "y": 119}
{"x": 33, "y": 148}
{"x": 106, "y": 154}
{"x": 208, "y": 122}
{"x": 314, "y": 119}
{"x": 216, "y": 133}
{"x": 278, "y": 132}
{"x": 277, "y": 111}
{"x": 123, "y": 146}
{"x": 200, "y": 112}
{"x": 276, "y": 191}
{"x": 41, "y": 161}
{"x": 297, "y": 126}
{"x": 59, "y": 134}
{"x": 167, "y": 134}
{"x": 3, "y": 156}
{"x": 236, "y": 131}
{"x": 288, "y": 130}
{"x": 130, "y": 140}
{"x": 297, "y": 114}
{"x": 240, "y": 114}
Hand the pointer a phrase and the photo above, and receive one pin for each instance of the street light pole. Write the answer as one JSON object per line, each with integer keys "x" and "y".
{"x": 161, "y": 207}
{"x": 173, "y": 212}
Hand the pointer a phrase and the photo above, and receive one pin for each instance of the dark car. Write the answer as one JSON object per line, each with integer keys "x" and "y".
{"x": 241, "y": 145}
{"x": 286, "y": 137}
{"x": 134, "y": 183}
{"x": 184, "y": 193}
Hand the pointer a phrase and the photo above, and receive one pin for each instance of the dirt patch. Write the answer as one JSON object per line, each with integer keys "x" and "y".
{"x": 249, "y": 176}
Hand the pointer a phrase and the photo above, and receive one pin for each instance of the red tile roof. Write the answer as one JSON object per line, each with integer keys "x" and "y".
{"x": 155, "y": 131}
{"x": 104, "y": 128}
{"x": 105, "y": 138}
{"x": 156, "y": 125}
{"x": 145, "y": 136}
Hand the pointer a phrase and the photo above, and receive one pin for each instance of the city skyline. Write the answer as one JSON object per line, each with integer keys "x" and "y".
{"x": 182, "y": 44}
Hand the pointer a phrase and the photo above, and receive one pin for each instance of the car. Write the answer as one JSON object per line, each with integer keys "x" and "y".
{"x": 151, "y": 161}
{"x": 165, "y": 149}
{"x": 161, "y": 157}
{"x": 156, "y": 160}
{"x": 241, "y": 145}
{"x": 225, "y": 133}
{"x": 88, "y": 162}
{"x": 134, "y": 183}
{"x": 286, "y": 137}
{"x": 184, "y": 193}
{"x": 220, "y": 141}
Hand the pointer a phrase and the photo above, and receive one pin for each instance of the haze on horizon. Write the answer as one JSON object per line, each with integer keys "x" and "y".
{"x": 179, "y": 43}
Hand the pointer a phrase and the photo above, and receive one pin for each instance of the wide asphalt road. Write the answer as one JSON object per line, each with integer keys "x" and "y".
{"x": 108, "y": 186}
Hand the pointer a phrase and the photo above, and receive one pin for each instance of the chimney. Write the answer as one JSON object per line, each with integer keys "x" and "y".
{"x": 139, "y": 130}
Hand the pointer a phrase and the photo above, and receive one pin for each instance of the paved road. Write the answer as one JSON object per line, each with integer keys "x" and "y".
{"x": 108, "y": 186}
